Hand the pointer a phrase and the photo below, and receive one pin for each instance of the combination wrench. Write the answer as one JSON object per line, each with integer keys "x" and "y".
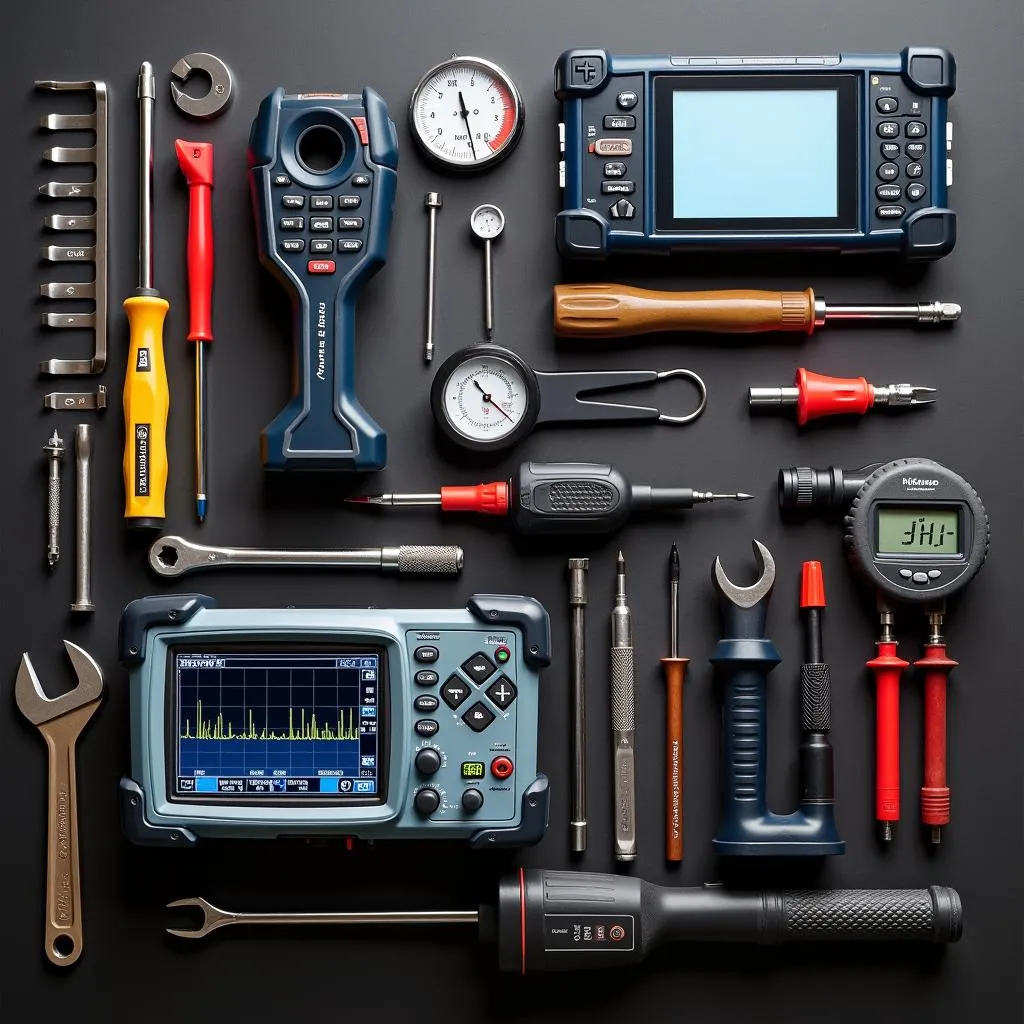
{"x": 61, "y": 720}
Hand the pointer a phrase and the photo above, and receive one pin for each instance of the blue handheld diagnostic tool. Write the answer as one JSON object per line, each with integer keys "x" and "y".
{"x": 311, "y": 722}
{"x": 847, "y": 153}
{"x": 322, "y": 177}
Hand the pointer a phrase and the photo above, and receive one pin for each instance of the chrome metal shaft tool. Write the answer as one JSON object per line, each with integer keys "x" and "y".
{"x": 623, "y": 729}
{"x": 54, "y": 449}
{"x": 577, "y": 609}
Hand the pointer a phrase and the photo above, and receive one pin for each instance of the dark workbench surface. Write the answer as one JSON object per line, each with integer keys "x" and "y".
{"x": 130, "y": 969}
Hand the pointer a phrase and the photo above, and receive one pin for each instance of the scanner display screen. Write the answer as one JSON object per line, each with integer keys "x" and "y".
{"x": 918, "y": 531}
{"x": 262, "y": 725}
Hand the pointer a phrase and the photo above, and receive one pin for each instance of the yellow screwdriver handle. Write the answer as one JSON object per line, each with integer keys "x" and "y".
{"x": 146, "y": 404}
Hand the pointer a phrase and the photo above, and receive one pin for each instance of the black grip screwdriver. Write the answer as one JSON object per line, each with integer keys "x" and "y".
{"x": 550, "y": 498}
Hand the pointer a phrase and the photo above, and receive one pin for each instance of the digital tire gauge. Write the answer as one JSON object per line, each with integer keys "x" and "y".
{"x": 918, "y": 533}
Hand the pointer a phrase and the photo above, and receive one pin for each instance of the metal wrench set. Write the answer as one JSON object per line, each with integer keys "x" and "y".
{"x": 322, "y": 171}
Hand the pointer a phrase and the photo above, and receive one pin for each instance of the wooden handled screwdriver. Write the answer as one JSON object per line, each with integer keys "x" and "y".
{"x": 620, "y": 311}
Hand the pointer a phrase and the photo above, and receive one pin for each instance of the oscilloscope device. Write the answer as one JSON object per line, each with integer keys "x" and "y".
{"x": 843, "y": 152}
{"x": 365, "y": 723}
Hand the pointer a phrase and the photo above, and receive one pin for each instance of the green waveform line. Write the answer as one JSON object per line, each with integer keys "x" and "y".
{"x": 311, "y": 730}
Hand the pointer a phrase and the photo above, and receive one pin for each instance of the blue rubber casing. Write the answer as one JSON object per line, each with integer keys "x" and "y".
{"x": 515, "y": 808}
{"x": 323, "y": 427}
{"x": 591, "y": 224}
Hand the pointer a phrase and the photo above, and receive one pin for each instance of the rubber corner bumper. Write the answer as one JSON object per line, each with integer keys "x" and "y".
{"x": 139, "y": 615}
{"x": 140, "y": 831}
{"x": 533, "y": 822}
{"x": 527, "y": 613}
{"x": 581, "y": 234}
{"x": 930, "y": 234}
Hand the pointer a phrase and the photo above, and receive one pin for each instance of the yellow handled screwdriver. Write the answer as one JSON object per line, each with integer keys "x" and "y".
{"x": 146, "y": 400}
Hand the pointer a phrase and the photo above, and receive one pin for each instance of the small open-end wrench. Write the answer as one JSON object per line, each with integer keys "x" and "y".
{"x": 174, "y": 556}
{"x": 61, "y": 720}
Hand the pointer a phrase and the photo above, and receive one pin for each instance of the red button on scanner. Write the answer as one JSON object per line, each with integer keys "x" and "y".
{"x": 501, "y": 767}
{"x": 616, "y": 933}
{"x": 360, "y": 123}
{"x": 320, "y": 266}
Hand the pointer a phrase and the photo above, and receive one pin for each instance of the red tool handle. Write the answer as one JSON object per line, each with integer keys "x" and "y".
{"x": 888, "y": 667}
{"x": 489, "y": 499}
{"x": 935, "y": 792}
{"x": 819, "y": 395}
{"x": 196, "y": 162}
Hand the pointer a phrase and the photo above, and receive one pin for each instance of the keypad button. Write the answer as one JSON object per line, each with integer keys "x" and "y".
{"x": 426, "y": 677}
{"x": 292, "y": 244}
{"x": 916, "y": 150}
{"x": 622, "y": 210}
{"x": 502, "y": 692}
{"x": 350, "y": 223}
{"x": 906, "y": 573}
{"x": 614, "y": 169}
{"x": 426, "y": 655}
{"x": 478, "y": 717}
{"x": 613, "y": 187}
{"x": 626, "y": 100}
{"x": 619, "y": 122}
{"x": 323, "y": 225}
{"x": 321, "y": 266}
{"x": 613, "y": 147}
{"x": 888, "y": 192}
{"x": 349, "y": 202}
{"x": 888, "y": 129}
{"x": 920, "y": 578}
{"x": 890, "y": 150}
{"x": 455, "y": 692}
{"x": 888, "y": 171}
{"x": 889, "y": 212}
{"x": 427, "y": 727}
{"x": 916, "y": 191}
{"x": 350, "y": 244}
{"x": 479, "y": 667}
{"x": 321, "y": 202}
{"x": 502, "y": 655}
{"x": 426, "y": 702}
{"x": 321, "y": 245}
{"x": 887, "y": 104}
{"x": 915, "y": 130}
{"x": 359, "y": 180}
{"x": 915, "y": 170}
{"x": 293, "y": 202}
{"x": 281, "y": 180}
{"x": 934, "y": 574}
{"x": 292, "y": 223}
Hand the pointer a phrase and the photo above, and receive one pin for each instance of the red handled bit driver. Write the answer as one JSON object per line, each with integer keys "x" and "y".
{"x": 196, "y": 162}
{"x": 816, "y": 395}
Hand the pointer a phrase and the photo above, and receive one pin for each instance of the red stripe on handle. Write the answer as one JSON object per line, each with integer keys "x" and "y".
{"x": 888, "y": 667}
{"x": 819, "y": 395}
{"x": 488, "y": 499}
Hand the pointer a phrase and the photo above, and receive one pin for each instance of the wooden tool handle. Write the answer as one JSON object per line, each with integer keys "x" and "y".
{"x": 675, "y": 672}
{"x": 619, "y": 310}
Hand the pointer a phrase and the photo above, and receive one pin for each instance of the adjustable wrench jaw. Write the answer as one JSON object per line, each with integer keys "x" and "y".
{"x": 38, "y": 708}
{"x": 745, "y": 609}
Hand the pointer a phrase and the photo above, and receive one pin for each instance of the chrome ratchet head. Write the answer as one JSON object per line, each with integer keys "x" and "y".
{"x": 221, "y": 85}
{"x": 745, "y": 609}
{"x": 38, "y": 708}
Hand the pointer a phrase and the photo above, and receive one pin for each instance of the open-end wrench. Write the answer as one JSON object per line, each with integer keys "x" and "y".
{"x": 60, "y": 720}
{"x": 174, "y": 556}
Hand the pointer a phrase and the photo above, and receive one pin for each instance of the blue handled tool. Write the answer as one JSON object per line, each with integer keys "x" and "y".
{"x": 322, "y": 177}
{"x": 744, "y": 657}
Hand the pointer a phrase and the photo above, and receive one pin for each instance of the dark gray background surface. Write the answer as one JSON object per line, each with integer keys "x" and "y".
{"x": 130, "y": 969}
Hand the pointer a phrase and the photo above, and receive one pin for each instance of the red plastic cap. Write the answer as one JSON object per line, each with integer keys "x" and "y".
{"x": 196, "y": 161}
{"x": 812, "y": 586}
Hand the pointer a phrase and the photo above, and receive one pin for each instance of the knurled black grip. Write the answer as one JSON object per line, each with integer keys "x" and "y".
{"x": 815, "y": 697}
{"x": 930, "y": 915}
{"x": 582, "y": 496}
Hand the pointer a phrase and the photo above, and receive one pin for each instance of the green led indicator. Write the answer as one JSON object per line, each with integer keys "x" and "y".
{"x": 502, "y": 654}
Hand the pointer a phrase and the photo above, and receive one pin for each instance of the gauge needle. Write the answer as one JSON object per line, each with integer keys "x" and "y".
{"x": 487, "y": 398}
{"x": 465, "y": 117}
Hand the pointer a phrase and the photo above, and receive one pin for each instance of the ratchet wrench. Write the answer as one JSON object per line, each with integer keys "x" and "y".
{"x": 174, "y": 556}
{"x": 61, "y": 720}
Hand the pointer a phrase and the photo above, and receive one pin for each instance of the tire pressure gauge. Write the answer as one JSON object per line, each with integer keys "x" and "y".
{"x": 466, "y": 114}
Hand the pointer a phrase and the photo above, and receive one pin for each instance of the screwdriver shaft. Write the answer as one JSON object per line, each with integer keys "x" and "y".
{"x": 200, "y": 431}
{"x": 577, "y": 604}
{"x": 147, "y": 99}
{"x": 623, "y": 729}
{"x": 918, "y": 312}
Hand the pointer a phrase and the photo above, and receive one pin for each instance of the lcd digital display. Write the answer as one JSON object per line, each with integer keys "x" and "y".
{"x": 253, "y": 725}
{"x": 742, "y": 154}
{"x": 918, "y": 531}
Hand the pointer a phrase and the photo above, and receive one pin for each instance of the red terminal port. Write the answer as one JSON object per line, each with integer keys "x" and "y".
{"x": 502, "y": 767}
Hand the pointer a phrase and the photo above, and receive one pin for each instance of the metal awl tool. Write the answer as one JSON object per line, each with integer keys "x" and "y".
{"x": 623, "y": 728}
{"x": 675, "y": 673}
{"x": 54, "y": 449}
{"x": 432, "y": 201}
{"x": 174, "y": 556}
{"x": 61, "y": 720}
{"x": 577, "y": 609}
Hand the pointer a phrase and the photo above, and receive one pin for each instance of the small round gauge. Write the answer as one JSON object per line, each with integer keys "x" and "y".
{"x": 485, "y": 397}
{"x": 487, "y": 222}
{"x": 466, "y": 114}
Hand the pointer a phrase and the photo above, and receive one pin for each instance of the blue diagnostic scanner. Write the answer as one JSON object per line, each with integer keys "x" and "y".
{"x": 347, "y": 722}
{"x": 842, "y": 153}
{"x": 322, "y": 176}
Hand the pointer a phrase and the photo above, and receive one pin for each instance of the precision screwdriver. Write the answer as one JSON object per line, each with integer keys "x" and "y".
{"x": 621, "y": 311}
{"x": 551, "y": 498}
{"x": 146, "y": 401}
{"x": 623, "y": 694}
{"x": 675, "y": 673}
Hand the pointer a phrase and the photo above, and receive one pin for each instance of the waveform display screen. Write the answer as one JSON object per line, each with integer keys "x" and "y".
{"x": 278, "y": 725}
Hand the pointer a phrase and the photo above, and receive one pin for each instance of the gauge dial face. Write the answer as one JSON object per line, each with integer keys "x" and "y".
{"x": 485, "y": 399}
{"x": 487, "y": 221}
{"x": 466, "y": 113}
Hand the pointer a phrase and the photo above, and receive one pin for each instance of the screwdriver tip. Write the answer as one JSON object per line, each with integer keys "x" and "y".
{"x": 620, "y": 563}
{"x": 673, "y": 565}
{"x": 201, "y": 509}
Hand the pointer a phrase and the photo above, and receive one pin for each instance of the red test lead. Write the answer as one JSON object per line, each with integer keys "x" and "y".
{"x": 816, "y": 395}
